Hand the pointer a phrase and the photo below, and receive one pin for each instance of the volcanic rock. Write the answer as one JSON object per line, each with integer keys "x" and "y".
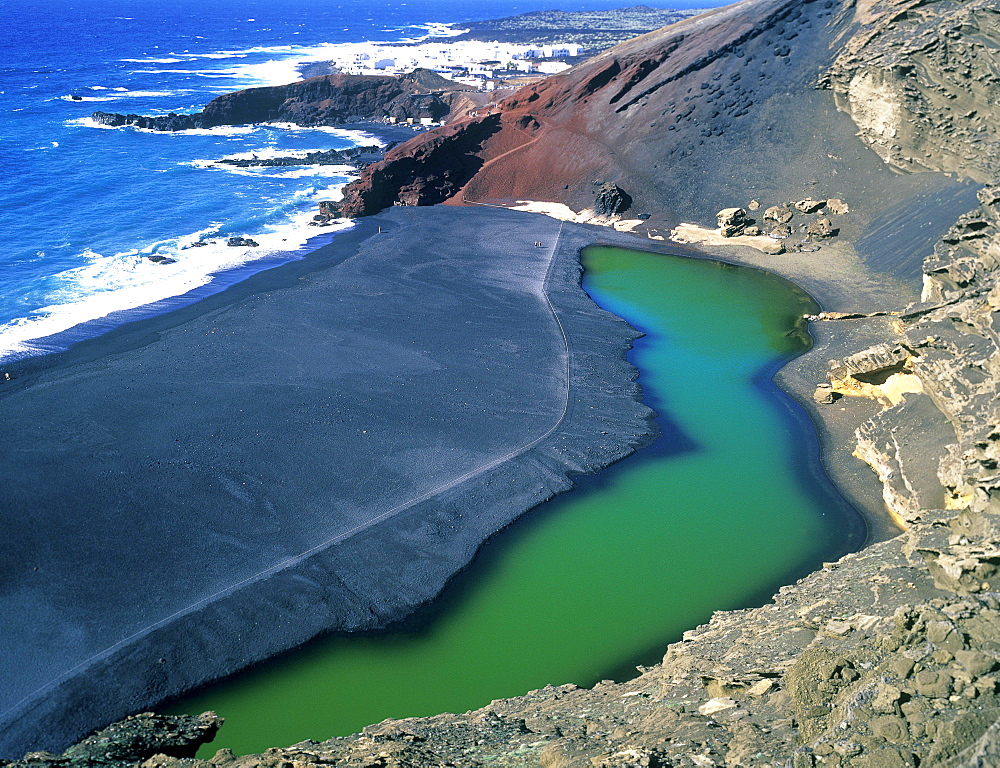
{"x": 732, "y": 221}
{"x": 779, "y": 213}
{"x": 242, "y": 242}
{"x": 809, "y": 205}
{"x": 821, "y": 227}
{"x": 611, "y": 200}
{"x": 325, "y": 100}
{"x": 132, "y": 741}
{"x": 837, "y": 206}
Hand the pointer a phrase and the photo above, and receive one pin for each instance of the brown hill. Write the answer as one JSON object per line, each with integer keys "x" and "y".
{"x": 704, "y": 112}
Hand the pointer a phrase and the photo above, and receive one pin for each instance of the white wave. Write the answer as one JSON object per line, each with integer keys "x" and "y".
{"x": 343, "y": 172}
{"x": 89, "y": 122}
{"x": 70, "y": 97}
{"x": 129, "y": 280}
{"x": 436, "y": 29}
{"x": 356, "y": 137}
{"x": 124, "y": 93}
{"x": 222, "y": 130}
{"x": 266, "y": 153}
{"x": 166, "y": 60}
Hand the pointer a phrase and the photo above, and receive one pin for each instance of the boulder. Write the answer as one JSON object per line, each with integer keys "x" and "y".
{"x": 244, "y": 242}
{"x": 732, "y": 221}
{"x": 824, "y": 394}
{"x": 611, "y": 200}
{"x": 809, "y": 205}
{"x": 821, "y": 228}
{"x": 779, "y": 213}
{"x": 837, "y": 206}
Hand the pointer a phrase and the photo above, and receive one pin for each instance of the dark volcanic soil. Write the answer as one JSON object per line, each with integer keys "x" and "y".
{"x": 309, "y": 450}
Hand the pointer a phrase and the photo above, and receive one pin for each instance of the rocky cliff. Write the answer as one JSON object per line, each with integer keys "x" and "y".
{"x": 891, "y": 656}
{"x": 324, "y": 100}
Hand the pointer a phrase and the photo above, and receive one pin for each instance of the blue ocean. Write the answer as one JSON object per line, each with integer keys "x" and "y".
{"x": 84, "y": 206}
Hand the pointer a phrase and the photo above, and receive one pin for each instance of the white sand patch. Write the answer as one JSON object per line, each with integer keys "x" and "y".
{"x": 692, "y": 233}
{"x": 627, "y": 225}
{"x": 559, "y": 211}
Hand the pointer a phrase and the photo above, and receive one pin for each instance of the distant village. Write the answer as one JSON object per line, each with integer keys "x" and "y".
{"x": 484, "y": 65}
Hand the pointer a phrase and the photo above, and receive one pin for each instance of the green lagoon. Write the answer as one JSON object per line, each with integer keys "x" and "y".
{"x": 726, "y": 506}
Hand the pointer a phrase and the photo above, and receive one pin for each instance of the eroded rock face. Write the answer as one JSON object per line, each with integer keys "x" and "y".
{"x": 933, "y": 61}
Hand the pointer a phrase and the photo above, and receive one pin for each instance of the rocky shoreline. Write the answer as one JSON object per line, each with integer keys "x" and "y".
{"x": 319, "y": 101}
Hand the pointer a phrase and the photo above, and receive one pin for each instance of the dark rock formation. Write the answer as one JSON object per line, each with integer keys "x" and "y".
{"x": 327, "y": 157}
{"x": 242, "y": 242}
{"x": 325, "y": 100}
{"x": 131, "y": 742}
{"x": 611, "y": 200}
{"x": 423, "y": 175}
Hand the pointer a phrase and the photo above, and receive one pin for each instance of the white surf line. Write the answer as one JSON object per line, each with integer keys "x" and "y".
{"x": 341, "y": 537}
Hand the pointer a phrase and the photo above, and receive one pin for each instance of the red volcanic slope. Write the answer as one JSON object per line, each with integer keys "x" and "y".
{"x": 735, "y": 86}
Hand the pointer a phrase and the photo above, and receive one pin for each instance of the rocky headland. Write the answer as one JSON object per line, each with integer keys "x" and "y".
{"x": 889, "y": 657}
{"x": 324, "y": 100}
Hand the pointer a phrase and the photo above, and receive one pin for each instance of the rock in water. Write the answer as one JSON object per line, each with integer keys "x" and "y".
{"x": 611, "y": 200}
{"x": 244, "y": 242}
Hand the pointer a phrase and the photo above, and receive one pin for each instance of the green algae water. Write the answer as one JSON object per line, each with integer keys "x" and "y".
{"x": 726, "y": 506}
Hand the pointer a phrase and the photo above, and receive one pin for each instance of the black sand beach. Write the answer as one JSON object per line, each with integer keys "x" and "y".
{"x": 319, "y": 447}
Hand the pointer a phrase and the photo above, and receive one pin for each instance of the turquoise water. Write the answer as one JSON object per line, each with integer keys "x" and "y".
{"x": 723, "y": 509}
